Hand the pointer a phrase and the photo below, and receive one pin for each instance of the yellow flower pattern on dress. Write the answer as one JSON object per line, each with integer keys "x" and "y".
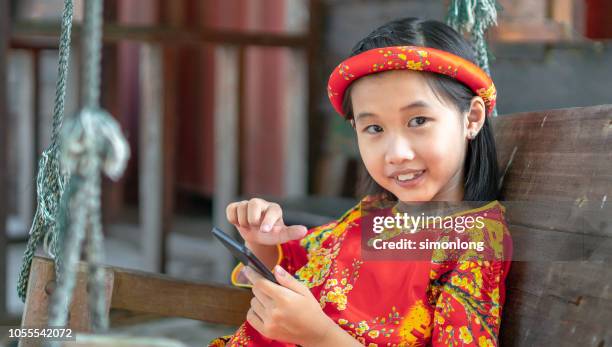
{"x": 315, "y": 272}
{"x": 374, "y": 328}
{"x": 483, "y": 341}
{"x": 336, "y": 290}
{"x": 416, "y": 324}
{"x": 464, "y": 335}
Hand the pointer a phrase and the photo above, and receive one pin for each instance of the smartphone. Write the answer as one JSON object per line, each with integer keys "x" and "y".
{"x": 243, "y": 254}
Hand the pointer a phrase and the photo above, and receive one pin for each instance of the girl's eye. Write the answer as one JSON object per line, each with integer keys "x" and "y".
{"x": 417, "y": 121}
{"x": 373, "y": 129}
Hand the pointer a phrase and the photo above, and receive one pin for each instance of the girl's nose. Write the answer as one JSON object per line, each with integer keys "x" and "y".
{"x": 399, "y": 150}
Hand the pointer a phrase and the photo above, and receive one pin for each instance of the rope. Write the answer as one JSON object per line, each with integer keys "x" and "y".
{"x": 474, "y": 17}
{"x": 51, "y": 180}
{"x": 91, "y": 142}
{"x": 92, "y": 52}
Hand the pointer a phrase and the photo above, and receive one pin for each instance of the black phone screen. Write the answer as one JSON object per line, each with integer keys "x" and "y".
{"x": 243, "y": 254}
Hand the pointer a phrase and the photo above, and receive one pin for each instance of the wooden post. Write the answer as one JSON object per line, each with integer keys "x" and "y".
{"x": 315, "y": 23}
{"x": 171, "y": 13}
{"x": 24, "y": 139}
{"x": 226, "y": 141}
{"x": 562, "y": 12}
{"x": 41, "y": 285}
{"x": 4, "y": 37}
{"x": 151, "y": 159}
{"x": 112, "y": 192}
{"x": 36, "y": 121}
{"x": 296, "y": 109}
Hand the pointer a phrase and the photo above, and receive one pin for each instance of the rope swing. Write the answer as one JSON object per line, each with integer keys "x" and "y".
{"x": 51, "y": 179}
{"x": 89, "y": 142}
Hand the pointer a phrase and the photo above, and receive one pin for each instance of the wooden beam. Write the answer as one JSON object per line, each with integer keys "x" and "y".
{"x": 25, "y": 30}
{"x": 527, "y": 31}
{"x": 31, "y": 43}
{"x": 4, "y": 119}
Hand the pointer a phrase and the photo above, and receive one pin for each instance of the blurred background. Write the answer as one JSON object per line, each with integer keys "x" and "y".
{"x": 223, "y": 100}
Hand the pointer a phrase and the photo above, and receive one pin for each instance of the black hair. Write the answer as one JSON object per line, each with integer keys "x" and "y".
{"x": 481, "y": 170}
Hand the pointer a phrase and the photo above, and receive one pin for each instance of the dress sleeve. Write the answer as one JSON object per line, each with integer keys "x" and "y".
{"x": 239, "y": 279}
{"x": 468, "y": 309}
{"x": 468, "y": 293}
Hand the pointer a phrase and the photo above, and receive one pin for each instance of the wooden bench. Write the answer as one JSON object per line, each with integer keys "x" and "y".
{"x": 555, "y": 162}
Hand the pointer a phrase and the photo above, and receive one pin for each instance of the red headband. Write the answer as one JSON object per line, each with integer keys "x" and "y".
{"x": 411, "y": 58}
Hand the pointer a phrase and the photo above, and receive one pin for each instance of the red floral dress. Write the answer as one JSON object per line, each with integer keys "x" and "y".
{"x": 395, "y": 303}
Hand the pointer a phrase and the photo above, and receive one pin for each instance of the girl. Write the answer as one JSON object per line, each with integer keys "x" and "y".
{"x": 419, "y": 107}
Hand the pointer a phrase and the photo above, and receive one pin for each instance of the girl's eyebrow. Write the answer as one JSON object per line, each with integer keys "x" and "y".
{"x": 415, "y": 104}
{"x": 363, "y": 115}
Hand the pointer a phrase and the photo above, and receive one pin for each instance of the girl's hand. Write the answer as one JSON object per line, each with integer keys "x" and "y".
{"x": 261, "y": 222}
{"x": 287, "y": 312}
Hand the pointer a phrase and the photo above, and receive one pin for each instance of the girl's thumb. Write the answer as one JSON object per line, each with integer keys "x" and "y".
{"x": 286, "y": 280}
{"x": 293, "y": 232}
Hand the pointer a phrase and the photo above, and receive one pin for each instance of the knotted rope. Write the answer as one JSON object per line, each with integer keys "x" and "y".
{"x": 474, "y": 17}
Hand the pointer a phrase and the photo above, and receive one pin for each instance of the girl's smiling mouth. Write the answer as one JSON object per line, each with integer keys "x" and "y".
{"x": 408, "y": 179}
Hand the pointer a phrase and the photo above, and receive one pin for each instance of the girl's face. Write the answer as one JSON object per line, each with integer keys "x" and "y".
{"x": 412, "y": 143}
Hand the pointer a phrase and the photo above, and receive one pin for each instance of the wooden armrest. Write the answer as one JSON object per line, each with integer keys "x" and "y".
{"x": 144, "y": 292}
{"x": 141, "y": 292}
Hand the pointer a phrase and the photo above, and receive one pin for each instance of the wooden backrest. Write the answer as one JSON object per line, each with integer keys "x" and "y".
{"x": 558, "y": 179}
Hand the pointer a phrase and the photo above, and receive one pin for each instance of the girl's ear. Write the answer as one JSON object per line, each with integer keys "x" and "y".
{"x": 475, "y": 117}
{"x": 352, "y": 120}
